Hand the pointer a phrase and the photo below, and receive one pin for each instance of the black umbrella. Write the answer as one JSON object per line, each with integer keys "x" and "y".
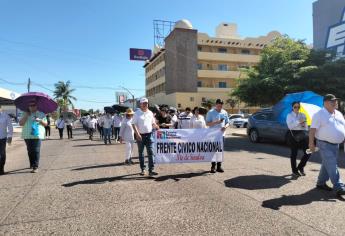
{"x": 109, "y": 110}
{"x": 119, "y": 108}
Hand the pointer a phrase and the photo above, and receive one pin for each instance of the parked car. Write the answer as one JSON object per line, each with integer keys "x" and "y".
{"x": 263, "y": 125}
{"x": 238, "y": 120}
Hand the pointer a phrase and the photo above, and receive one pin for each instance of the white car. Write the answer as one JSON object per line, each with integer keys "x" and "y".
{"x": 238, "y": 120}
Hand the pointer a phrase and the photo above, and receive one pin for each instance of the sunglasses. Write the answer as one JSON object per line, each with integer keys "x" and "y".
{"x": 32, "y": 105}
{"x": 296, "y": 107}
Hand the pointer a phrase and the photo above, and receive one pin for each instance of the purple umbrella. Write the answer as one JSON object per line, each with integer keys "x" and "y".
{"x": 44, "y": 103}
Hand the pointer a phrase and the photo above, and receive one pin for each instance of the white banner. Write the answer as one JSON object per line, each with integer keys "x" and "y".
{"x": 188, "y": 145}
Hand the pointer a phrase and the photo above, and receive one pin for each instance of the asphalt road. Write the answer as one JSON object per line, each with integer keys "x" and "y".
{"x": 83, "y": 188}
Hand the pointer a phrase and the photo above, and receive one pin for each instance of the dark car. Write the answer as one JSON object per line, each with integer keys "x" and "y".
{"x": 264, "y": 125}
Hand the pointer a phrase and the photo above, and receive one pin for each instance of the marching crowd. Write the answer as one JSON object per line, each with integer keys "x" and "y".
{"x": 325, "y": 134}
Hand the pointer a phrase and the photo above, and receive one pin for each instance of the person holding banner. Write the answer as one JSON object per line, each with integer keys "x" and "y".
{"x": 197, "y": 121}
{"x": 143, "y": 124}
{"x": 217, "y": 118}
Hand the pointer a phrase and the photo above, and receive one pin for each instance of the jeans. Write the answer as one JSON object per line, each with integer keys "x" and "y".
{"x": 69, "y": 131}
{"x": 106, "y": 134}
{"x": 329, "y": 169}
{"x": 47, "y": 131}
{"x": 34, "y": 147}
{"x": 2, "y": 153}
{"x": 294, "y": 146}
{"x": 146, "y": 141}
{"x": 116, "y": 133}
{"x": 60, "y": 133}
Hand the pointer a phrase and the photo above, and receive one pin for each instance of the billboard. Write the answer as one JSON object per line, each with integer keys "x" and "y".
{"x": 137, "y": 54}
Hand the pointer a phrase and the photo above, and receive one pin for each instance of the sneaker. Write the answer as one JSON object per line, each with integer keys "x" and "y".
{"x": 296, "y": 174}
{"x": 142, "y": 172}
{"x": 301, "y": 171}
{"x": 324, "y": 187}
{"x": 34, "y": 170}
{"x": 213, "y": 170}
{"x": 340, "y": 192}
{"x": 152, "y": 173}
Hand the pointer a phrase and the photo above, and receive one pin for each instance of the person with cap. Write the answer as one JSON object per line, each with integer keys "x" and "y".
{"x": 184, "y": 119}
{"x": 197, "y": 121}
{"x": 328, "y": 127}
{"x": 298, "y": 138}
{"x": 6, "y": 132}
{"x": 33, "y": 131}
{"x": 217, "y": 118}
{"x": 143, "y": 124}
{"x": 127, "y": 135}
{"x": 164, "y": 119}
{"x": 107, "y": 121}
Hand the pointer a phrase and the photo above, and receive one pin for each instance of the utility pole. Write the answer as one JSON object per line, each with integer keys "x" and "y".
{"x": 130, "y": 94}
{"x": 29, "y": 84}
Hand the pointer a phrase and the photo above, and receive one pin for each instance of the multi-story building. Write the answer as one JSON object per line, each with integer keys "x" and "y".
{"x": 194, "y": 67}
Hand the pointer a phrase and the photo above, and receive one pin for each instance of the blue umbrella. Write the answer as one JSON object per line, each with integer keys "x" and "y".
{"x": 310, "y": 104}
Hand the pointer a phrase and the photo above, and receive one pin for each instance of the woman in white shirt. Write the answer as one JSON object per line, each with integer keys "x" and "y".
{"x": 197, "y": 121}
{"x": 126, "y": 135}
{"x": 297, "y": 124}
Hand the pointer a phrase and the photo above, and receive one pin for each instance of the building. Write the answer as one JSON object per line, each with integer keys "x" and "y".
{"x": 7, "y": 101}
{"x": 329, "y": 25}
{"x": 194, "y": 67}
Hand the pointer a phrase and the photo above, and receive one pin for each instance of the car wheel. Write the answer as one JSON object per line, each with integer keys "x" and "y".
{"x": 237, "y": 126}
{"x": 245, "y": 125}
{"x": 254, "y": 136}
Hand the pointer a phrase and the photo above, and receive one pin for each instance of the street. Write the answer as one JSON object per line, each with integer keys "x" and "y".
{"x": 83, "y": 188}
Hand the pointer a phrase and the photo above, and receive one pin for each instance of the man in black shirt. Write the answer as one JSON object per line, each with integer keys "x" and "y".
{"x": 164, "y": 119}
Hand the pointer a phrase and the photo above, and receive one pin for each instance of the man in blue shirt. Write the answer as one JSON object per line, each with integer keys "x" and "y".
{"x": 217, "y": 118}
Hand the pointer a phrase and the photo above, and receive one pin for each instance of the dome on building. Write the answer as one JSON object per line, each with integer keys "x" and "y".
{"x": 183, "y": 24}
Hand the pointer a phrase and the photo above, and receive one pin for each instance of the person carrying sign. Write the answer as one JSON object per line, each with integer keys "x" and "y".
{"x": 217, "y": 118}
{"x": 143, "y": 124}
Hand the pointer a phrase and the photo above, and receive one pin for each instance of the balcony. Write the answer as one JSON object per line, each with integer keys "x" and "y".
{"x": 228, "y": 57}
{"x": 218, "y": 74}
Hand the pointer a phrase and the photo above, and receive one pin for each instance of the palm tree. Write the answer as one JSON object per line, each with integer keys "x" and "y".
{"x": 63, "y": 94}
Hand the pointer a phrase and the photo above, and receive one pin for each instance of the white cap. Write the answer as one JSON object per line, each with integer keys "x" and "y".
{"x": 142, "y": 100}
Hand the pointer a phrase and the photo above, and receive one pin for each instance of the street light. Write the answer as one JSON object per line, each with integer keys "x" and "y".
{"x": 130, "y": 94}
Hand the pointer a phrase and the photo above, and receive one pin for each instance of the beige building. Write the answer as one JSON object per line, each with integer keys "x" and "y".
{"x": 194, "y": 67}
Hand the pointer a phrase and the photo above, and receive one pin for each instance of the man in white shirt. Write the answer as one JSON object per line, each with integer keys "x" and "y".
{"x": 117, "y": 125}
{"x": 328, "y": 127}
{"x": 92, "y": 124}
{"x": 107, "y": 122}
{"x": 184, "y": 119}
{"x": 143, "y": 124}
{"x": 6, "y": 132}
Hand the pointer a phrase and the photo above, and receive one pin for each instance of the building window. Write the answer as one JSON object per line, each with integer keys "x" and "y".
{"x": 191, "y": 99}
{"x": 223, "y": 67}
{"x": 222, "y": 84}
{"x": 199, "y": 66}
{"x": 199, "y": 84}
{"x": 179, "y": 105}
{"x": 203, "y": 99}
{"x": 199, "y": 48}
{"x": 245, "y": 51}
{"x": 222, "y": 50}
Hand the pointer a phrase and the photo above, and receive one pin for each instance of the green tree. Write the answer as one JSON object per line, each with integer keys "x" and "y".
{"x": 208, "y": 103}
{"x": 275, "y": 74}
{"x": 63, "y": 94}
{"x": 232, "y": 101}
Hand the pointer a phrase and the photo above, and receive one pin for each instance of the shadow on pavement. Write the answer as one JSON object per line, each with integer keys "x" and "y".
{"x": 254, "y": 182}
{"x": 100, "y": 166}
{"x": 19, "y": 171}
{"x": 80, "y": 139}
{"x": 178, "y": 177}
{"x": 108, "y": 179}
{"x": 236, "y": 144}
{"x": 313, "y": 195}
{"x": 90, "y": 145}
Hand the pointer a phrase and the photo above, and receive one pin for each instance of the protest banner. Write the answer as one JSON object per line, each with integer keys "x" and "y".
{"x": 188, "y": 145}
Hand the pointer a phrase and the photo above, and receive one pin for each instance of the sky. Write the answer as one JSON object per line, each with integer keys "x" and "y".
{"x": 87, "y": 41}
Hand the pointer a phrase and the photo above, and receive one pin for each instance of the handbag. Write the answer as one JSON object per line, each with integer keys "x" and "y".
{"x": 299, "y": 135}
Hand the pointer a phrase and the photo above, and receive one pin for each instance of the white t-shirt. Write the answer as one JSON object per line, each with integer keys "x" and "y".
{"x": 293, "y": 121}
{"x": 92, "y": 123}
{"x": 197, "y": 122}
{"x": 107, "y": 121}
{"x": 329, "y": 127}
{"x": 143, "y": 121}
